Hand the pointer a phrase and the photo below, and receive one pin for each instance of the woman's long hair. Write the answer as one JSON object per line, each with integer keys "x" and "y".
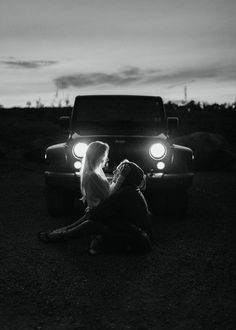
{"x": 94, "y": 155}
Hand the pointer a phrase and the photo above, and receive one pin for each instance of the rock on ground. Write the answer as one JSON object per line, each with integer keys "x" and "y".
{"x": 211, "y": 151}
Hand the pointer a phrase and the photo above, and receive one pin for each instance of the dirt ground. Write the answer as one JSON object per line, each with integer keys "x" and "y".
{"x": 186, "y": 282}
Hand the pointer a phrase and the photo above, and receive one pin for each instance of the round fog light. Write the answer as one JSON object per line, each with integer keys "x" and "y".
{"x": 77, "y": 165}
{"x": 160, "y": 165}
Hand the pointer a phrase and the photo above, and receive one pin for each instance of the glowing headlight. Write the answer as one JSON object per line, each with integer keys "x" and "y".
{"x": 158, "y": 150}
{"x": 161, "y": 165}
{"x": 79, "y": 149}
{"x": 77, "y": 165}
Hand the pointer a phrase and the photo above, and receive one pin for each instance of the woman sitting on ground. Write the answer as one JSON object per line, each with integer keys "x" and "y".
{"x": 94, "y": 185}
{"x": 121, "y": 217}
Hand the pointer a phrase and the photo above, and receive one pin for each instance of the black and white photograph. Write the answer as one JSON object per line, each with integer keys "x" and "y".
{"x": 117, "y": 165}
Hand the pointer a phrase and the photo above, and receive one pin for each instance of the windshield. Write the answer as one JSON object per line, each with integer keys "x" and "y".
{"x": 117, "y": 115}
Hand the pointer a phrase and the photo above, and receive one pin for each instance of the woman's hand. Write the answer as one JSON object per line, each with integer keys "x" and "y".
{"x": 120, "y": 174}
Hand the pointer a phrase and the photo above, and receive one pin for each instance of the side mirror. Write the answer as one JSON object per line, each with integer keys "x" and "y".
{"x": 172, "y": 123}
{"x": 64, "y": 122}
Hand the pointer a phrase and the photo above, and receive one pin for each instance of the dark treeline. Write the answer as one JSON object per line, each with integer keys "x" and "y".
{"x": 43, "y": 121}
{"x": 170, "y": 107}
{"x": 201, "y": 106}
{"x": 213, "y": 118}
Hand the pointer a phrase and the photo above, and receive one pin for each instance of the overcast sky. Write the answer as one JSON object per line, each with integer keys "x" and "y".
{"x": 63, "y": 48}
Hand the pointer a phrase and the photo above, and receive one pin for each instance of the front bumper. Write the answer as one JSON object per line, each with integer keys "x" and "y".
{"x": 154, "y": 181}
{"x": 167, "y": 181}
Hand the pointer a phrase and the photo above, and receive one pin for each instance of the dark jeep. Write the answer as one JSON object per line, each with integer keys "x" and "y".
{"x": 136, "y": 128}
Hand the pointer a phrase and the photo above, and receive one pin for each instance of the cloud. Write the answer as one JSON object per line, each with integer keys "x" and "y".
{"x": 126, "y": 76}
{"x": 134, "y": 75}
{"x": 28, "y": 64}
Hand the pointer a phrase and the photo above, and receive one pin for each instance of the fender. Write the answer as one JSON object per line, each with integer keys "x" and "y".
{"x": 182, "y": 158}
{"x": 56, "y": 156}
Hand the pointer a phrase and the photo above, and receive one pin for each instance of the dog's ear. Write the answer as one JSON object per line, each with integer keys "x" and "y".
{"x": 135, "y": 176}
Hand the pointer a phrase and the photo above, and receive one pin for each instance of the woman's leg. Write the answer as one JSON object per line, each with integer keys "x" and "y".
{"x": 72, "y": 225}
{"x": 86, "y": 228}
{"x": 63, "y": 232}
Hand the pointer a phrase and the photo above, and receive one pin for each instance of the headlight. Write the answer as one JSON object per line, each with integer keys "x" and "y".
{"x": 79, "y": 149}
{"x": 158, "y": 150}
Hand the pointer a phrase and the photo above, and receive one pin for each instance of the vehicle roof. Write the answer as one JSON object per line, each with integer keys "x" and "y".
{"x": 119, "y": 96}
